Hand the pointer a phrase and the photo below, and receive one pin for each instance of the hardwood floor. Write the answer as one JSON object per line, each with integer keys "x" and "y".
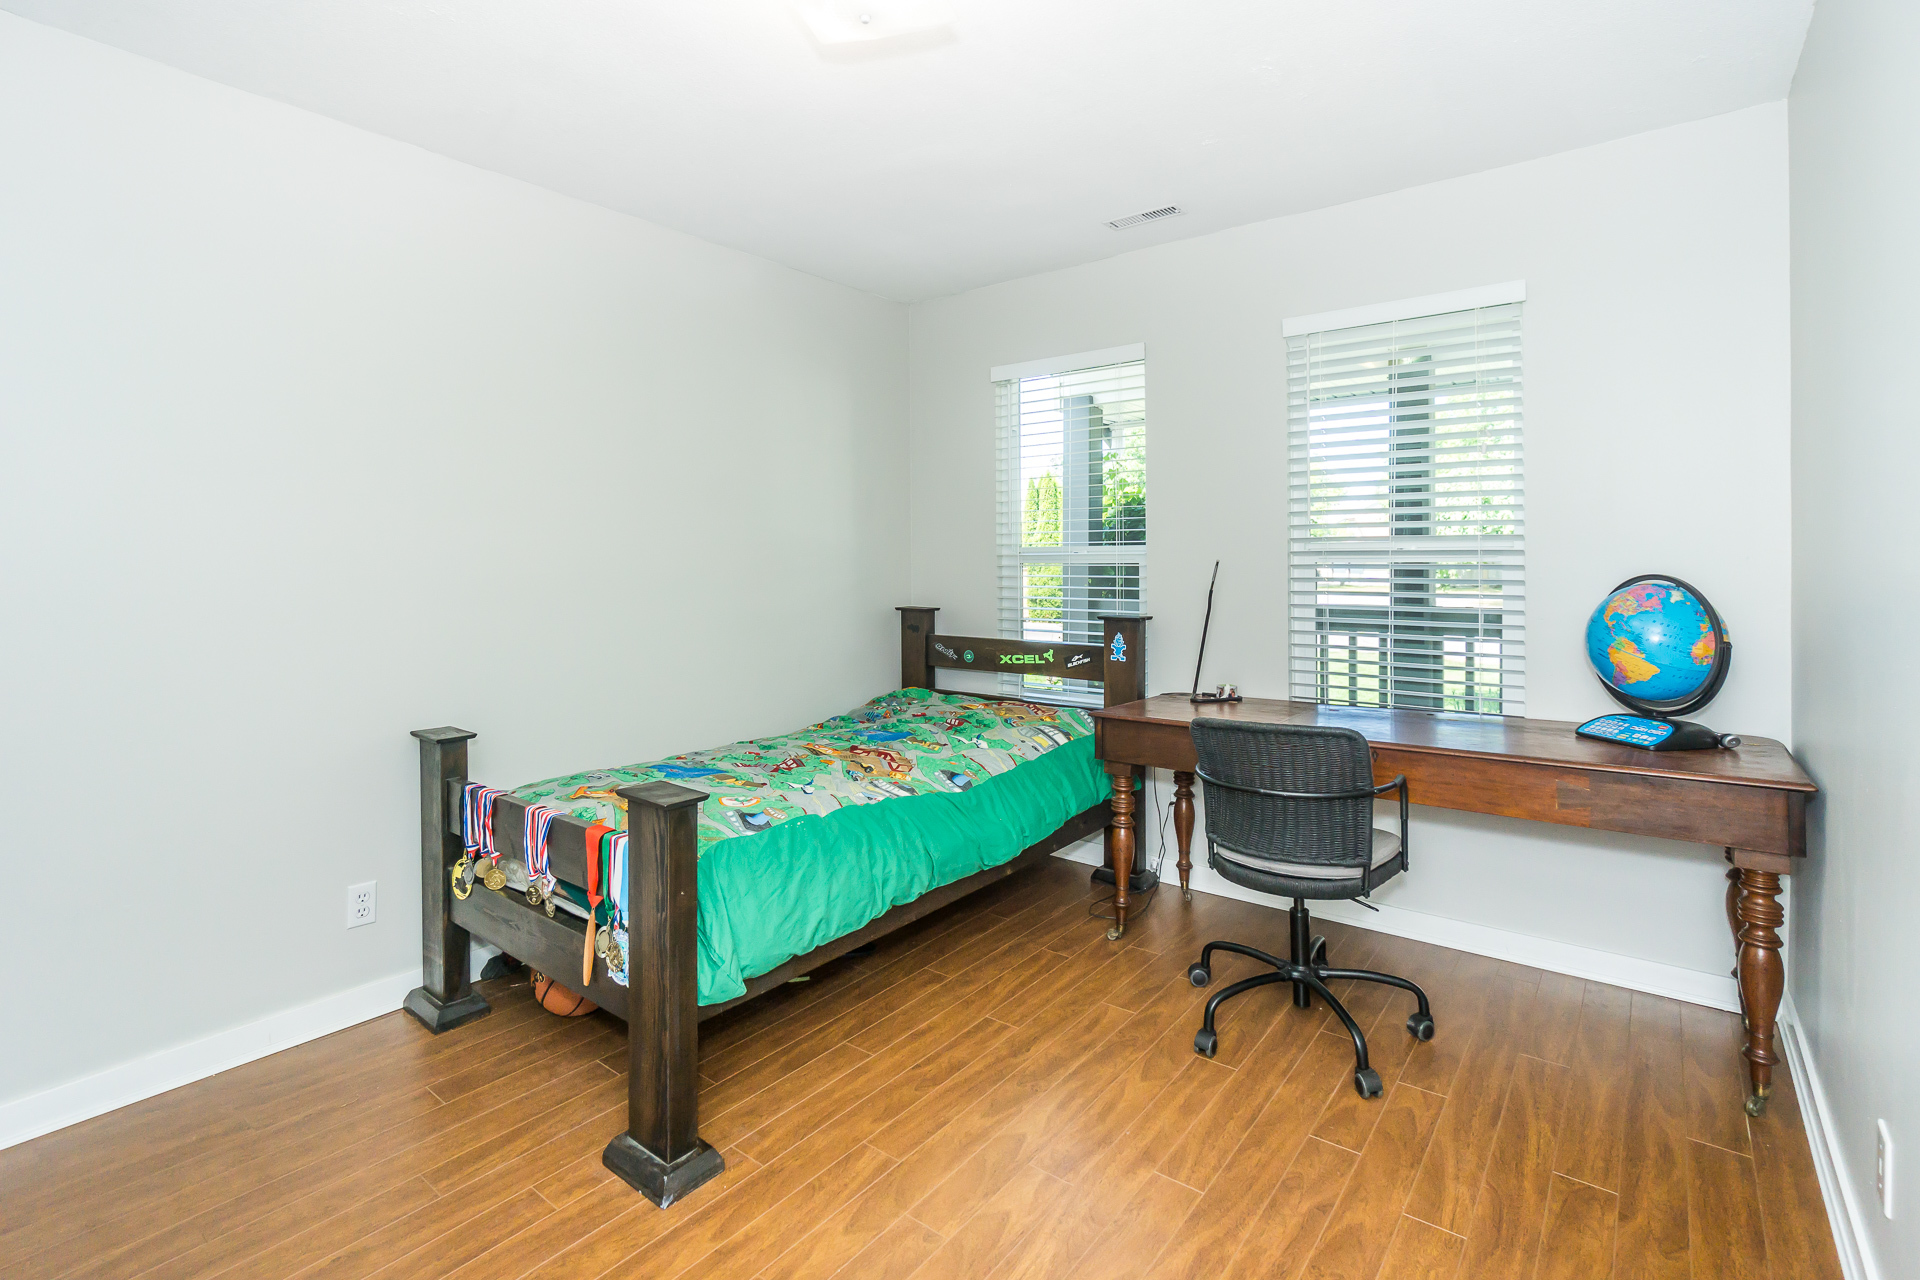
{"x": 996, "y": 1092}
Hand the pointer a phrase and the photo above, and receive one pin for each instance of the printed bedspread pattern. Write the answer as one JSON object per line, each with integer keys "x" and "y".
{"x": 911, "y": 742}
{"x": 803, "y": 883}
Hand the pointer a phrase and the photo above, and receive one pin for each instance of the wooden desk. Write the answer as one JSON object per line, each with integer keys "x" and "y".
{"x": 1751, "y": 801}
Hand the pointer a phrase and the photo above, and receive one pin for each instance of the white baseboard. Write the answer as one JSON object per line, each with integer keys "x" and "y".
{"x": 1714, "y": 990}
{"x": 1850, "y": 1236}
{"x": 130, "y": 1082}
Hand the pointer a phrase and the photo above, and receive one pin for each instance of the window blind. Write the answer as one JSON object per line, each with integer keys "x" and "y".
{"x": 1072, "y": 507}
{"x": 1407, "y": 529}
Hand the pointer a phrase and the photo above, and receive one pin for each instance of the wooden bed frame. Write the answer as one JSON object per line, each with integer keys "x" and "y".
{"x": 661, "y": 1154}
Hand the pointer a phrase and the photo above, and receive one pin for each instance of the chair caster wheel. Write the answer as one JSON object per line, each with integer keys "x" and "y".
{"x": 1317, "y": 953}
{"x": 1420, "y": 1026}
{"x": 1756, "y": 1105}
{"x": 1206, "y": 1043}
{"x": 1199, "y": 975}
{"x": 1366, "y": 1083}
{"x": 1186, "y": 895}
{"x": 1113, "y": 934}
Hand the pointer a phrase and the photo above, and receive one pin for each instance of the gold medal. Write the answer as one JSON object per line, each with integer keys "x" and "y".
{"x": 533, "y": 893}
{"x": 461, "y": 888}
{"x": 615, "y": 959}
{"x": 495, "y": 879}
{"x": 600, "y": 941}
{"x": 549, "y": 906}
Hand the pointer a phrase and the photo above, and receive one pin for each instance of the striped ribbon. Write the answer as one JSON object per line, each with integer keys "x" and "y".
{"x": 538, "y": 828}
{"x": 476, "y": 812}
{"x": 617, "y": 878}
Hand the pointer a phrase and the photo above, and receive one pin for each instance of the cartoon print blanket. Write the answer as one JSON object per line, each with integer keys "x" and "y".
{"x": 807, "y": 836}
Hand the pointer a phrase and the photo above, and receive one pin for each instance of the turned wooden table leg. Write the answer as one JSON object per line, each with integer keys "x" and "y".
{"x": 1762, "y": 977}
{"x": 1183, "y": 827}
{"x": 1123, "y": 831}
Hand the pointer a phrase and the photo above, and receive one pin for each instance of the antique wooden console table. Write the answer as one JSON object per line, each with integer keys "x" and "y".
{"x": 1750, "y": 801}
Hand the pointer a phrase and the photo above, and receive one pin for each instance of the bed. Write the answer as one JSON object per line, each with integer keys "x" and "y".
{"x": 700, "y": 881}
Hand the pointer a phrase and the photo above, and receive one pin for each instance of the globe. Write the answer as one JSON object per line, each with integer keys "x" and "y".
{"x": 1658, "y": 645}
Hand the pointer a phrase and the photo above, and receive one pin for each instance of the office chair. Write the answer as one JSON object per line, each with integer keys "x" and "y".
{"x": 1290, "y": 812}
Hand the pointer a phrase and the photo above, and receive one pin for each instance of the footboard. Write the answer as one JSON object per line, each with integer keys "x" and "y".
{"x": 660, "y": 1155}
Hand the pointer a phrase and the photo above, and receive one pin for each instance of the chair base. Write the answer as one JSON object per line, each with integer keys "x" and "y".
{"x": 1309, "y": 973}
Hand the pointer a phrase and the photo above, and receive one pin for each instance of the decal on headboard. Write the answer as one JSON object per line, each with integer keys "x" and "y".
{"x": 946, "y": 651}
{"x": 1079, "y": 660}
{"x": 1119, "y": 651}
{"x": 1026, "y": 659}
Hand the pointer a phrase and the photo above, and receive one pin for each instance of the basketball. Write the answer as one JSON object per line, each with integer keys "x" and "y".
{"x": 555, "y": 998}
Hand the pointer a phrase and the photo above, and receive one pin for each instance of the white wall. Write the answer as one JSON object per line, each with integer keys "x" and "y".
{"x": 309, "y": 438}
{"x": 1855, "y": 130}
{"x": 1656, "y": 384}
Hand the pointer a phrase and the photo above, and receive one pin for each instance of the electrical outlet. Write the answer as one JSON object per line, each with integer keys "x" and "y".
{"x": 360, "y": 904}
{"x": 1883, "y": 1167}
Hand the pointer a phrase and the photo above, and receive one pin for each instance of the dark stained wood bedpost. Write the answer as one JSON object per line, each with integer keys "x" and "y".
{"x": 1126, "y": 662}
{"x": 446, "y": 997}
{"x": 1123, "y": 679}
{"x": 661, "y": 1155}
{"x": 916, "y": 626}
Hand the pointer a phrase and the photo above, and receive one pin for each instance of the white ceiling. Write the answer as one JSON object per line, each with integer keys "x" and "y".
{"x": 990, "y": 149}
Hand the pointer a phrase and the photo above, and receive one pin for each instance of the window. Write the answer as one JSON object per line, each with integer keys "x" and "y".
{"x": 1407, "y": 534}
{"x": 1073, "y": 506}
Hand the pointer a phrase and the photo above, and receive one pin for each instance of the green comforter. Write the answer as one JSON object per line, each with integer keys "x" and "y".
{"x": 806, "y": 837}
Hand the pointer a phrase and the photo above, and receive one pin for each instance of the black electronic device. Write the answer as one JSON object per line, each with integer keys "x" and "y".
{"x": 1226, "y": 693}
{"x": 1653, "y": 726}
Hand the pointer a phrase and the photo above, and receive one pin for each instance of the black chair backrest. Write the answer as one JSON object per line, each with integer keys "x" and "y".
{"x": 1303, "y": 759}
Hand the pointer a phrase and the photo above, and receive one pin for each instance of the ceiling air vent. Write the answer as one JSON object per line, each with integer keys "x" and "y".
{"x": 1151, "y": 215}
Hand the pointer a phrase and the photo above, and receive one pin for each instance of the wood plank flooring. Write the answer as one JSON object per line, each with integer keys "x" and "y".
{"x": 996, "y": 1092}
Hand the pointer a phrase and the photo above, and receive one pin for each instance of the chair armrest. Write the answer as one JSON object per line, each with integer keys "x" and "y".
{"x": 1398, "y": 784}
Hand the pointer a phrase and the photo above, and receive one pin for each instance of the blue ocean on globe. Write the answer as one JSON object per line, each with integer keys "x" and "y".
{"x": 1652, "y": 641}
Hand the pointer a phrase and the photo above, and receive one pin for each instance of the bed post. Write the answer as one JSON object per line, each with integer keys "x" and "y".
{"x": 916, "y": 627}
{"x": 1123, "y": 678}
{"x": 446, "y": 997}
{"x": 660, "y": 1155}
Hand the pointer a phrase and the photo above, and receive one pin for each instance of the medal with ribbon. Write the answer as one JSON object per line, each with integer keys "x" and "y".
{"x": 595, "y": 834}
{"x": 538, "y": 829}
{"x": 616, "y": 896}
{"x": 476, "y": 825}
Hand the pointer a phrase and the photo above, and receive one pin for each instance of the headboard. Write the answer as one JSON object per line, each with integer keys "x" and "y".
{"x": 1118, "y": 662}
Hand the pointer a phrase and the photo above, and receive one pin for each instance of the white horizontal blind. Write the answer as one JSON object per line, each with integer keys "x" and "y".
{"x": 1407, "y": 527}
{"x": 1072, "y": 508}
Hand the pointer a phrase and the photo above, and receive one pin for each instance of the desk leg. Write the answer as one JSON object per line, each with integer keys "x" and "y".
{"x": 1123, "y": 824}
{"x": 1762, "y": 977}
{"x": 1183, "y": 827}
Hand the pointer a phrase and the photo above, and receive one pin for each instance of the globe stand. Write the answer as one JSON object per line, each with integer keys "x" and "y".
{"x": 1654, "y": 734}
{"x": 1652, "y": 726}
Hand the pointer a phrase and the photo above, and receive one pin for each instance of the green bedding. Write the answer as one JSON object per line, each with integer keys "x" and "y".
{"x": 805, "y": 837}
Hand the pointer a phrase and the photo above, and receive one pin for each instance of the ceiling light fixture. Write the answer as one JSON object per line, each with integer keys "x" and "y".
{"x": 851, "y": 21}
